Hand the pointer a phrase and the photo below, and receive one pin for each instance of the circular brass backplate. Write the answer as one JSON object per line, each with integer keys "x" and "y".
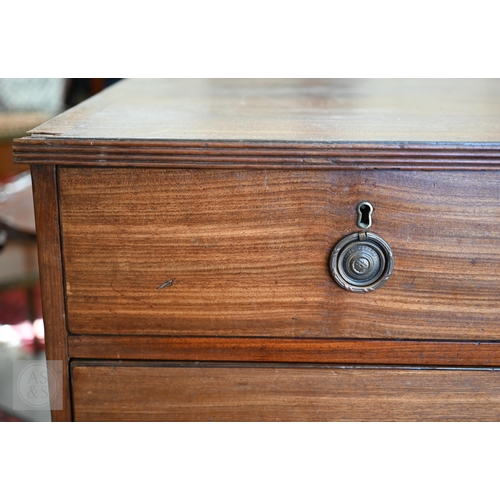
{"x": 361, "y": 262}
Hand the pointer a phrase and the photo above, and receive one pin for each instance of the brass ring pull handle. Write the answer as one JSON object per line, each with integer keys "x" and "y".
{"x": 361, "y": 262}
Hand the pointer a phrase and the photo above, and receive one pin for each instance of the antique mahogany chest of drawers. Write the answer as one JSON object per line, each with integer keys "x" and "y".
{"x": 273, "y": 250}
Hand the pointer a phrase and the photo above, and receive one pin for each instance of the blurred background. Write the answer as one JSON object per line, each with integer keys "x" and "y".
{"x": 25, "y": 103}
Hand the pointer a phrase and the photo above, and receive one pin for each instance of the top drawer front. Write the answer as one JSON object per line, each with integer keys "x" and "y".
{"x": 245, "y": 253}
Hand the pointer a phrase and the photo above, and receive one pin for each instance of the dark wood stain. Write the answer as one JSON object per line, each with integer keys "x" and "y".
{"x": 362, "y": 351}
{"x": 51, "y": 277}
{"x": 258, "y": 155}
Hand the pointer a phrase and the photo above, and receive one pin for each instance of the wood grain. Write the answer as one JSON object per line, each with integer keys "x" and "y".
{"x": 374, "y": 352}
{"x": 196, "y": 219}
{"x": 51, "y": 278}
{"x": 301, "y": 110}
{"x": 153, "y": 392}
{"x": 248, "y": 253}
{"x": 257, "y": 155}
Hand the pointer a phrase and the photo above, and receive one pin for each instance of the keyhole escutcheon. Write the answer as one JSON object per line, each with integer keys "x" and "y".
{"x": 365, "y": 210}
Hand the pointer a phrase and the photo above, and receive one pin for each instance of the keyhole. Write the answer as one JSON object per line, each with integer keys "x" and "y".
{"x": 365, "y": 210}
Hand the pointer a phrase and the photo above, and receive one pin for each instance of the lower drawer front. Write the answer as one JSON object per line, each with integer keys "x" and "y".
{"x": 210, "y": 392}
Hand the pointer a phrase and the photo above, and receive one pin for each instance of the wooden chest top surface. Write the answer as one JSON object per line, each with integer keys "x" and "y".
{"x": 361, "y": 110}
